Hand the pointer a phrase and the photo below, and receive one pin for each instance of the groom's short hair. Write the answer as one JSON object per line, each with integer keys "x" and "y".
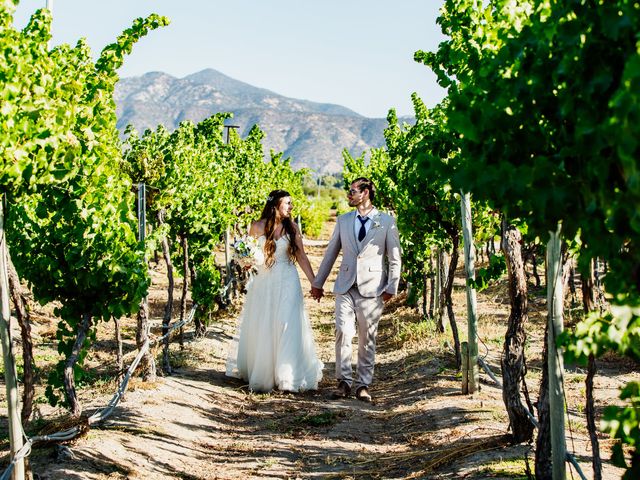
{"x": 365, "y": 184}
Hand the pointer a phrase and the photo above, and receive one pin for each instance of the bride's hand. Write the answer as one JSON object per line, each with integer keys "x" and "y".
{"x": 317, "y": 293}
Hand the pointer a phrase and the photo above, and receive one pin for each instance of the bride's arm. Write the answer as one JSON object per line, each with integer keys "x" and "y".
{"x": 301, "y": 256}
{"x": 256, "y": 229}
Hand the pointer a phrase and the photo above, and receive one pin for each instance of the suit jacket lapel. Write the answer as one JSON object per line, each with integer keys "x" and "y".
{"x": 350, "y": 220}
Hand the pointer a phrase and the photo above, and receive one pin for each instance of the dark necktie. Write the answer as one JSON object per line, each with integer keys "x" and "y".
{"x": 363, "y": 231}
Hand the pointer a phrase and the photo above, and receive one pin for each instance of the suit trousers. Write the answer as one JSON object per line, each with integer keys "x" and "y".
{"x": 351, "y": 307}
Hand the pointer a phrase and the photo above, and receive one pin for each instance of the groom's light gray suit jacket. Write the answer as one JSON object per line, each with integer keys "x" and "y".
{"x": 363, "y": 262}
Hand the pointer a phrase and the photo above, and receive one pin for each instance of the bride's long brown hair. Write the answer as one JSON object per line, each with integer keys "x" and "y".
{"x": 269, "y": 214}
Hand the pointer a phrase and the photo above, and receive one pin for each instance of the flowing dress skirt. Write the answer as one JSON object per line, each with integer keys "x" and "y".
{"x": 274, "y": 345}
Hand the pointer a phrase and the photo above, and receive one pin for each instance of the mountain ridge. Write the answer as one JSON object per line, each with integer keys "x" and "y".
{"x": 313, "y": 134}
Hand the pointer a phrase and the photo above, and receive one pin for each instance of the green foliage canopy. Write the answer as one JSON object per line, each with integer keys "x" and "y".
{"x": 543, "y": 98}
{"x": 70, "y": 223}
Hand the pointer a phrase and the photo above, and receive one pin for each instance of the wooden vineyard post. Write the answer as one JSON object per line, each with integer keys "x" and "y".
{"x": 464, "y": 346}
{"x": 227, "y": 234}
{"x": 10, "y": 376}
{"x": 143, "y": 325}
{"x": 438, "y": 284}
{"x": 555, "y": 362}
{"x": 227, "y": 253}
{"x": 469, "y": 267}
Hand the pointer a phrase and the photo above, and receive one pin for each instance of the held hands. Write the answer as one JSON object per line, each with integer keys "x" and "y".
{"x": 317, "y": 293}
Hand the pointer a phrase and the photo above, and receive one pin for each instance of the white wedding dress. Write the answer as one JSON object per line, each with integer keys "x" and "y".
{"x": 274, "y": 345}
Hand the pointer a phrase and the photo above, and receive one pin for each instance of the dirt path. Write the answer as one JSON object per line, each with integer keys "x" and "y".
{"x": 199, "y": 424}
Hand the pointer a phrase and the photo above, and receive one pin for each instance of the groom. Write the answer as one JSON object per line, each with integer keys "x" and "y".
{"x": 367, "y": 237}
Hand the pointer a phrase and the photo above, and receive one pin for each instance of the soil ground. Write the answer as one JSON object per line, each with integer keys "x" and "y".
{"x": 199, "y": 424}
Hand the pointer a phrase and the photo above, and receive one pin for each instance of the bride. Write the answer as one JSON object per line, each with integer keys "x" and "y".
{"x": 274, "y": 346}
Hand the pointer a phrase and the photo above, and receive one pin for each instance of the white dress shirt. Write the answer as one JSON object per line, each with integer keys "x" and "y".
{"x": 367, "y": 226}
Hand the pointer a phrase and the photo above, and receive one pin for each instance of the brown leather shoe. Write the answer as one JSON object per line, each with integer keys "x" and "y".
{"x": 362, "y": 394}
{"x": 343, "y": 390}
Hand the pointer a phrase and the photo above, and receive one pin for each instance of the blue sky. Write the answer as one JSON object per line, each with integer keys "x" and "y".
{"x": 356, "y": 53}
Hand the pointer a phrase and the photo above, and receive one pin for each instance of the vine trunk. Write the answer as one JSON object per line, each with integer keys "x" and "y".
{"x": 513, "y": 356}
{"x": 69, "y": 382}
{"x": 24, "y": 320}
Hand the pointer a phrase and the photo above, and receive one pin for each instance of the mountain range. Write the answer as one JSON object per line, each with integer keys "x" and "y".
{"x": 312, "y": 134}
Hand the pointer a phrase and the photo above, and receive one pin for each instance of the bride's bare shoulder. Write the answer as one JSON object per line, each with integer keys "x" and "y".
{"x": 257, "y": 228}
